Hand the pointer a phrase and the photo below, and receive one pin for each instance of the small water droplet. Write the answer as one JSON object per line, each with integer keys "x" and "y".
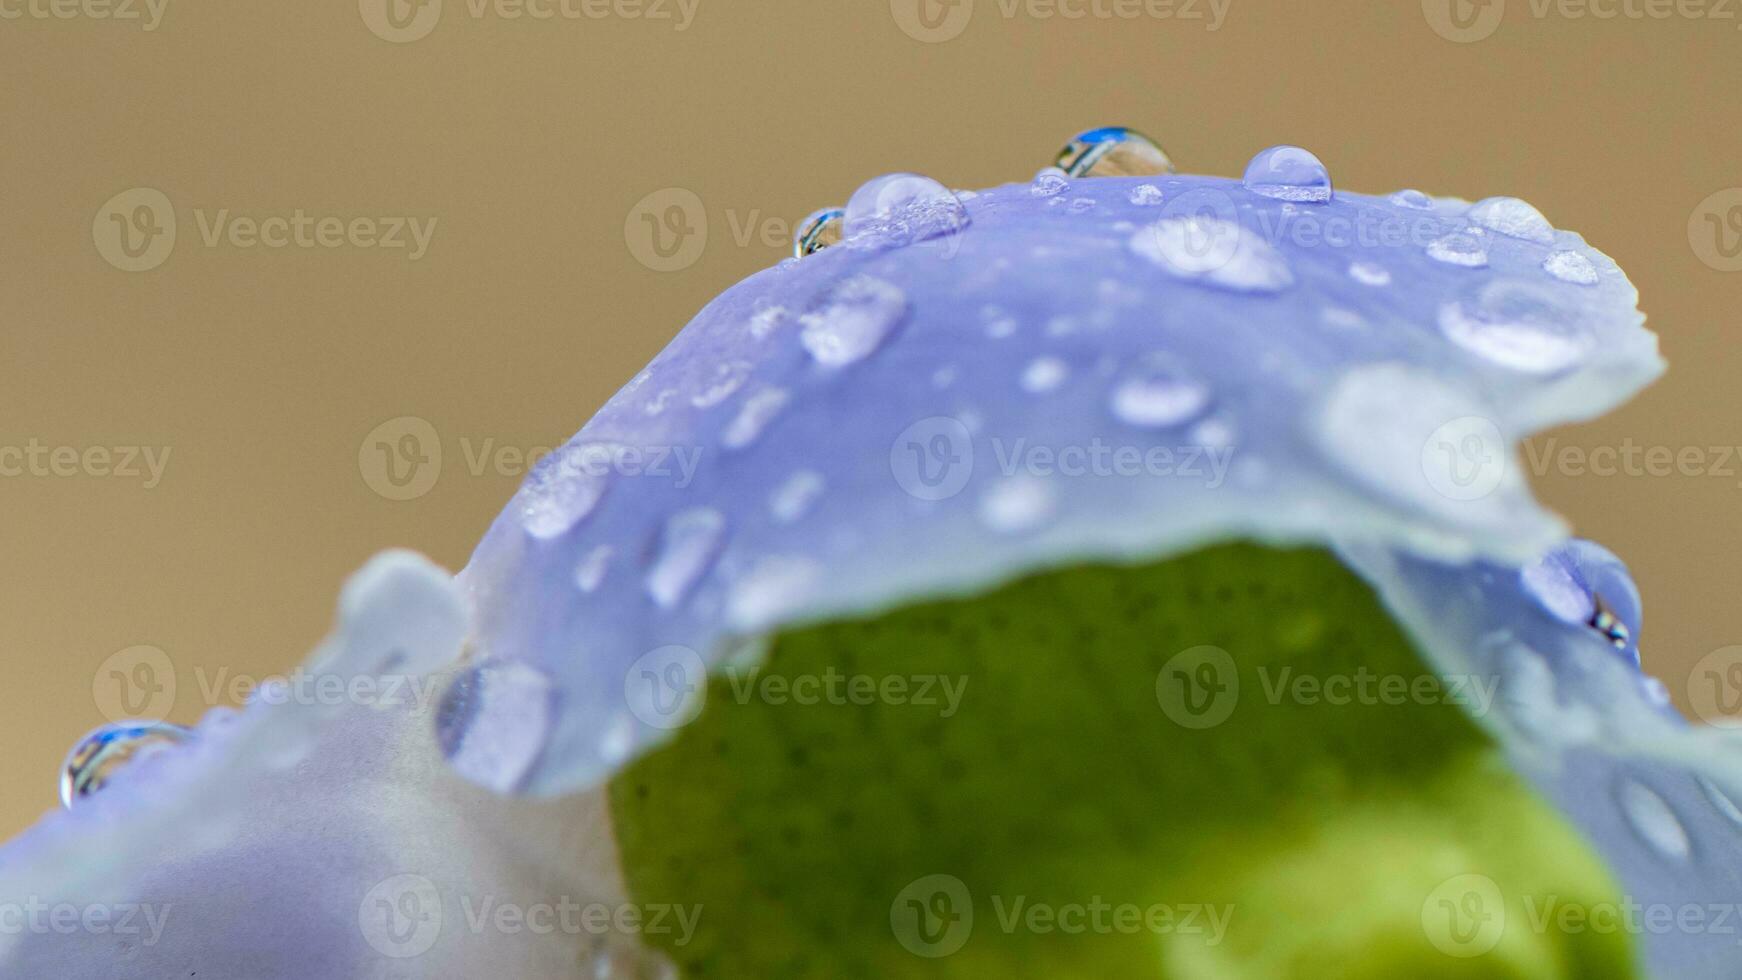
{"x": 1721, "y": 801}
{"x": 1044, "y": 374}
{"x": 822, "y": 229}
{"x": 1145, "y": 195}
{"x": 902, "y": 208}
{"x": 793, "y": 499}
{"x": 1369, "y": 273}
{"x": 1159, "y": 394}
{"x": 772, "y": 589}
{"x": 1653, "y": 820}
{"x": 1514, "y": 218}
{"x": 753, "y": 417}
{"x": 1113, "y": 151}
{"x": 1017, "y": 504}
{"x": 1288, "y": 173}
{"x": 858, "y": 317}
{"x": 766, "y": 320}
{"x": 1459, "y": 248}
{"x": 1571, "y": 267}
{"x": 1215, "y": 252}
{"x": 1080, "y": 205}
{"x": 102, "y": 754}
{"x": 590, "y": 571}
{"x": 723, "y": 384}
{"x": 493, "y": 723}
{"x": 688, "y": 546}
{"x": 1049, "y": 182}
{"x": 1412, "y": 199}
{"x": 1518, "y": 326}
{"x": 564, "y": 487}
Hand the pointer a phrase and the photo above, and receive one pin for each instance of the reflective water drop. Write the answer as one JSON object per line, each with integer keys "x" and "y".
{"x": 1113, "y": 151}
{"x": 1044, "y": 374}
{"x": 1583, "y": 584}
{"x": 1571, "y": 267}
{"x": 1214, "y": 252}
{"x": 1017, "y": 504}
{"x": 823, "y": 228}
{"x": 99, "y": 756}
{"x": 859, "y": 315}
{"x": 1369, "y": 273}
{"x": 1653, "y": 820}
{"x": 590, "y": 571}
{"x": 722, "y": 384}
{"x": 1518, "y": 326}
{"x": 1145, "y": 195}
{"x": 688, "y": 546}
{"x": 1551, "y": 583}
{"x": 1514, "y": 218}
{"x": 1412, "y": 199}
{"x": 754, "y": 415}
{"x": 1050, "y": 182}
{"x": 1158, "y": 395}
{"x": 1459, "y": 248}
{"x": 902, "y": 208}
{"x": 794, "y": 498}
{"x": 493, "y": 723}
{"x": 1288, "y": 173}
{"x": 564, "y": 487}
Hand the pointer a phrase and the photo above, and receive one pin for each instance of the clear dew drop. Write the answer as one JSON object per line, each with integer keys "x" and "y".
{"x": 1570, "y": 267}
{"x": 1288, "y": 173}
{"x": 1158, "y": 395}
{"x": 1514, "y": 218}
{"x": 859, "y": 316}
{"x": 902, "y": 208}
{"x": 793, "y": 499}
{"x": 1459, "y": 248}
{"x": 1551, "y": 583}
{"x": 1214, "y": 252}
{"x": 1412, "y": 199}
{"x": 1145, "y": 195}
{"x": 493, "y": 722}
{"x": 722, "y": 384}
{"x": 566, "y": 486}
{"x": 1113, "y": 151}
{"x": 1518, "y": 326}
{"x": 688, "y": 545}
{"x": 1017, "y": 504}
{"x": 754, "y": 416}
{"x": 1369, "y": 274}
{"x": 101, "y": 755}
{"x": 1652, "y": 819}
{"x": 591, "y": 569}
{"x": 1049, "y": 182}
{"x": 1044, "y": 374}
{"x": 821, "y": 229}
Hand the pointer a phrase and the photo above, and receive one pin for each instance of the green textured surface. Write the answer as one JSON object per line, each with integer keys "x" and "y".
{"x": 1322, "y": 833}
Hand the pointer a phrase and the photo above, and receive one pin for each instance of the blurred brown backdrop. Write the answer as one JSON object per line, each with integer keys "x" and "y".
{"x": 524, "y": 148}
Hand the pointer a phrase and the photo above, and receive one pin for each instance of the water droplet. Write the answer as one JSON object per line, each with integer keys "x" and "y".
{"x": 859, "y": 316}
{"x": 902, "y": 208}
{"x": 1145, "y": 195}
{"x": 688, "y": 546}
{"x": 753, "y": 417}
{"x": 1159, "y": 394}
{"x": 590, "y": 571}
{"x": 1044, "y": 374}
{"x": 766, "y": 320}
{"x": 1288, "y": 173}
{"x": 1080, "y": 205}
{"x": 1215, "y": 252}
{"x": 1552, "y": 584}
{"x": 1653, "y": 820}
{"x": 1518, "y": 326}
{"x": 773, "y": 588}
{"x": 1412, "y": 199}
{"x": 493, "y": 722}
{"x": 1721, "y": 801}
{"x": 1571, "y": 267}
{"x": 1459, "y": 248}
{"x": 564, "y": 487}
{"x": 1113, "y": 151}
{"x": 1514, "y": 218}
{"x": 99, "y": 756}
{"x": 822, "y": 229}
{"x": 1050, "y": 182}
{"x": 1017, "y": 504}
{"x": 723, "y": 384}
{"x": 1369, "y": 273}
{"x": 794, "y": 498}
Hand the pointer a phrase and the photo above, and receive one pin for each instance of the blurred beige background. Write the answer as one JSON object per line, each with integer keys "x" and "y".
{"x": 524, "y": 149}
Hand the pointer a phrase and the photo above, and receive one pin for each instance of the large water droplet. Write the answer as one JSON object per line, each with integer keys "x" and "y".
{"x": 859, "y": 315}
{"x": 1459, "y": 248}
{"x": 1512, "y": 217}
{"x": 794, "y": 498}
{"x": 565, "y": 487}
{"x": 1653, "y": 820}
{"x": 1215, "y": 252}
{"x": 688, "y": 546}
{"x": 1583, "y": 584}
{"x": 753, "y": 417}
{"x": 821, "y": 229}
{"x": 1571, "y": 267}
{"x": 1159, "y": 394}
{"x": 1017, "y": 504}
{"x": 1044, "y": 374}
{"x": 901, "y": 208}
{"x": 493, "y": 723}
{"x": 1113, "y": 151}
{"x": 1049, "y": 182}
{"x": 1288, "y": 173}
{"x": 1518, "y": 326}
{"x": 99, "y": 756}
